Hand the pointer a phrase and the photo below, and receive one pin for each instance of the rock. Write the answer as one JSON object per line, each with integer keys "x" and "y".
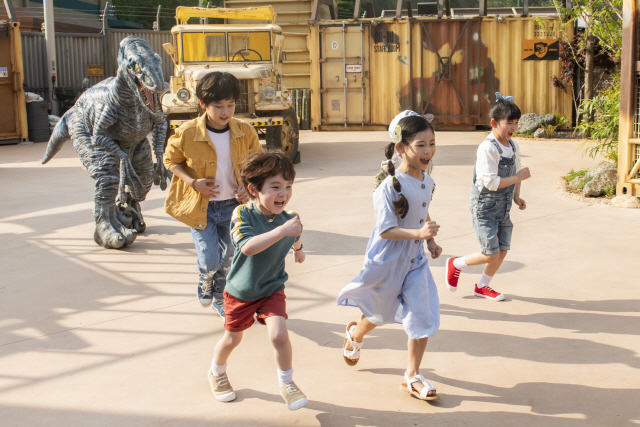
{"x": 540, "y": 133}
{"x": 531, "y": 121}
{"x": 549, "y": 119}
{"x": 602, "y": 176}
{"x": 629, "y": 202}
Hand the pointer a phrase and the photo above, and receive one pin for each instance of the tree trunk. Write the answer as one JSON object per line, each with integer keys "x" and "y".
{"x": 589, "y": 68}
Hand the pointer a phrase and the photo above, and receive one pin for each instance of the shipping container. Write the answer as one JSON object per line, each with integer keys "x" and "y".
{"x": 14, "y": 126}
{"x": 364, "y": 72}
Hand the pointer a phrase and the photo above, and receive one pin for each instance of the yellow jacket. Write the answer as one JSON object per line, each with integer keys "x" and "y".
{"x": 192, "y": 148}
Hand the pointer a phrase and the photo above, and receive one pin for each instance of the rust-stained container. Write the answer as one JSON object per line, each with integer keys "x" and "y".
{"x": 13, "y": 127}
{"x": 449, "y": 67}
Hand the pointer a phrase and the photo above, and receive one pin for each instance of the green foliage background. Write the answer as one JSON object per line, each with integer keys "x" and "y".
{"x": 144, "y": 11}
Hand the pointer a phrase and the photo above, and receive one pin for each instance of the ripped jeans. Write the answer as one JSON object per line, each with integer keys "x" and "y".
{"x": 213, "y": 244}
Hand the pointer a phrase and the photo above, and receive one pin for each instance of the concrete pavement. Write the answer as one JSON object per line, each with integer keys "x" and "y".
{"x": 97, "y": 337}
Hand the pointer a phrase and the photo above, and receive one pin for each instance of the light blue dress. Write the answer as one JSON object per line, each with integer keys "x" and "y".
{"x": 395, "y": 283}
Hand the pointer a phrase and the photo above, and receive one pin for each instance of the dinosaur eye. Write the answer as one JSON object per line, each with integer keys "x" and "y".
{"x": 137, "y": 69}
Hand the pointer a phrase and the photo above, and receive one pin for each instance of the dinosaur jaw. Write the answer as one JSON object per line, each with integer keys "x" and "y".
{"x": 147, "y": 96}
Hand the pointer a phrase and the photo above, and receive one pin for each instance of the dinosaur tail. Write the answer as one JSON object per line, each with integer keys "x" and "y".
{"x": 59, "y": 136}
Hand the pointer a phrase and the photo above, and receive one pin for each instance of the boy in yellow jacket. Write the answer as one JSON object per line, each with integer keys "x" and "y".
{"x": 204, "y": 156}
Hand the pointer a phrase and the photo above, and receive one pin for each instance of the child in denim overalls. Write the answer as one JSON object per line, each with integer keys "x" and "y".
{"x": 496, "y": 183}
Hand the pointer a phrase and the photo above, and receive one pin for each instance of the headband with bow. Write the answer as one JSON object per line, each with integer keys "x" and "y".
{"x": 499, "y": 97}
{"x": 395, "y": 132}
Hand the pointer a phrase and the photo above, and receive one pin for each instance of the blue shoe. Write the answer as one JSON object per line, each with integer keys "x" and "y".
{"x": 218, "y": 306}
{"x": 205, "y": 293}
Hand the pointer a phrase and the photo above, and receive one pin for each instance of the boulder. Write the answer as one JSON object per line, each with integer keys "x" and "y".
{"x": 602, "y": 176}
{"x": 530, "y": 122}
{"x": 577, "y": 183}
{"x": 630, "y": 202}
{"x": 540, "y": 133}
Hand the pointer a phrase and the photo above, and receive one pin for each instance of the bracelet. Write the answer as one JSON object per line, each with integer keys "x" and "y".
{"x": 193, "y": 183}
{"x": 301, "y": 246}
{"x": 430, "y": 240}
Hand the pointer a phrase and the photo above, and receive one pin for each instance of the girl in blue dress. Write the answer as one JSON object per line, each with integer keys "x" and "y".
{"x": 395, "y": 283}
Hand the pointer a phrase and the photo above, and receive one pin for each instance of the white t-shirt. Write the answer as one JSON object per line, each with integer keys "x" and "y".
{"x": 487, "y": 162}
{"x": 225, "y": 175}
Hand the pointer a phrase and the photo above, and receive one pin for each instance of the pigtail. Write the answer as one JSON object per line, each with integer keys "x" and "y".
{"x": 401, "y": 206}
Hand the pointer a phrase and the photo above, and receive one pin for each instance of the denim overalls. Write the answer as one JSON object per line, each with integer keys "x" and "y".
{"x": 490, "y": 209}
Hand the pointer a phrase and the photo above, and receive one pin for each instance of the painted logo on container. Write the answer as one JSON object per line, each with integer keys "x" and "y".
{"x": 389, "y": 41}
{"x": 540, "y": 50}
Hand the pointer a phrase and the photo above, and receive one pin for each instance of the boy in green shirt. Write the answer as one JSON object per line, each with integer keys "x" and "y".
{"x": 262, "y": 233}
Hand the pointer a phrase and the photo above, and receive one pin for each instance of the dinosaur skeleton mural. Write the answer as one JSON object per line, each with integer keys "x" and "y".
{"x": 108, "y": 125}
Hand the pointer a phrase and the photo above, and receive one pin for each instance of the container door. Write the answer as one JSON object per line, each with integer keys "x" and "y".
{"x": 451, "y": 70}
{"x": 8, "y": 108}
{"x": 344, "y": 82}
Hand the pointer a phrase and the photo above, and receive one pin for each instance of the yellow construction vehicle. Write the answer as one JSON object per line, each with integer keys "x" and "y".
{"x": 251, "y": 52}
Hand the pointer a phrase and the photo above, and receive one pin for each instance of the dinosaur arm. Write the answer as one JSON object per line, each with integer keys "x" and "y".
{"x": 159, "y": 137}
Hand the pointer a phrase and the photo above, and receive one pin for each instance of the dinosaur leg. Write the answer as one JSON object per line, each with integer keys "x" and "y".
{"x": 105, "y": 169}
{"x": 142, "y": 163}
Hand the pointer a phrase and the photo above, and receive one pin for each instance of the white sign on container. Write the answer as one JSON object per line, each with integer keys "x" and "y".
{"x": 357, "y": 68}
{"x": 4, "y": 72}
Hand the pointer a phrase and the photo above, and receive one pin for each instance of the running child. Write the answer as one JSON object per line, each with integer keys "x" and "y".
{"x": 395, "y": 283}
{"x": 262, "y": 233}
{"x": 496, "y": 183}
{"x": 204, "y": 156}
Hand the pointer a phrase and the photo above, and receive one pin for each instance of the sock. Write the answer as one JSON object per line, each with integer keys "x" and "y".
{"x": 459, "y": 263}
{"x": 484, "y": 280}
{"x": 218, "y": 370}
{"x": 285, "y": 377}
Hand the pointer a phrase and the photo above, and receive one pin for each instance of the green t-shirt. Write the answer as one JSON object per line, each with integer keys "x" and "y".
{"x": 257, "y": 276}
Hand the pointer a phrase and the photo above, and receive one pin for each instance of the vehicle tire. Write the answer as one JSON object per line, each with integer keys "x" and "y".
{"x": 285, "y": 136}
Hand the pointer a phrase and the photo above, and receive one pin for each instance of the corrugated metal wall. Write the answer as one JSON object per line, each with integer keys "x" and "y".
{"x": 75, "y": 51}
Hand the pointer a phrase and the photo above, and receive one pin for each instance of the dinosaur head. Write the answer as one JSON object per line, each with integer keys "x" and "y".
{"x": 141, "y": 68}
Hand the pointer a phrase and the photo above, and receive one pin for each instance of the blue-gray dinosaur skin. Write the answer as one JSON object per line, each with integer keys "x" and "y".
{"x": 108, "y": 125}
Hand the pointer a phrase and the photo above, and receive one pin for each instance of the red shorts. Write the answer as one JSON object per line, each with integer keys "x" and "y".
{"x": 238, "y": 314}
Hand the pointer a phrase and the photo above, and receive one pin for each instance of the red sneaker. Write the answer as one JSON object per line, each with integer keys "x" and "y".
{"x": 451, "y": 275}
{"x": 487, "y": 292}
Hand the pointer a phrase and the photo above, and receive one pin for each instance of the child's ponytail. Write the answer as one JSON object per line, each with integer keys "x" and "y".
{"x": 400, "y": 206}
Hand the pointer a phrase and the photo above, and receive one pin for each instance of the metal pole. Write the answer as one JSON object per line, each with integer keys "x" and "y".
{"x": 344, "y": 68}
{"x": 362, "y": 67}
{"x": 200, "y": 5}
{"x": 158, "y": 18}
{"x": 105, "y": 24}
{"x": 50, "y": 43}
{"x": 10, "y": 12}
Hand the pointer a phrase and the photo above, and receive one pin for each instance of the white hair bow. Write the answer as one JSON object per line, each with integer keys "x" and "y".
{"x": 499, "y": 97}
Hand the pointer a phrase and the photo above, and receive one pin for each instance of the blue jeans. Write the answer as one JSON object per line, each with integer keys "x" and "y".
{"x": 213, "y": 244}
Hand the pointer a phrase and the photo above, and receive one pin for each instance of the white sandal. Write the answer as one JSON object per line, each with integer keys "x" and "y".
{"x": 351, "y": 356}
{"x": 424, "y": 393}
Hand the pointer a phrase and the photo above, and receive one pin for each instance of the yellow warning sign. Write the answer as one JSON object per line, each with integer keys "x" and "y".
{"x": 95, "y": 70}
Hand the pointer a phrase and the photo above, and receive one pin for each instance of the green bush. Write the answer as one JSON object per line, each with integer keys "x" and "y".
{"x": 518, "y": 133}
{"x": 610, "y": 190}
{"x": 560, "y": 120}
{"x": 549, "y": 130}
{"x": 600, "y": 122}
{"x": 575, "y": 174}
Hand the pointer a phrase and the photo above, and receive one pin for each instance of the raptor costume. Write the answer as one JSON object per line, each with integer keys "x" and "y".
{"x": 108, "y": 125}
